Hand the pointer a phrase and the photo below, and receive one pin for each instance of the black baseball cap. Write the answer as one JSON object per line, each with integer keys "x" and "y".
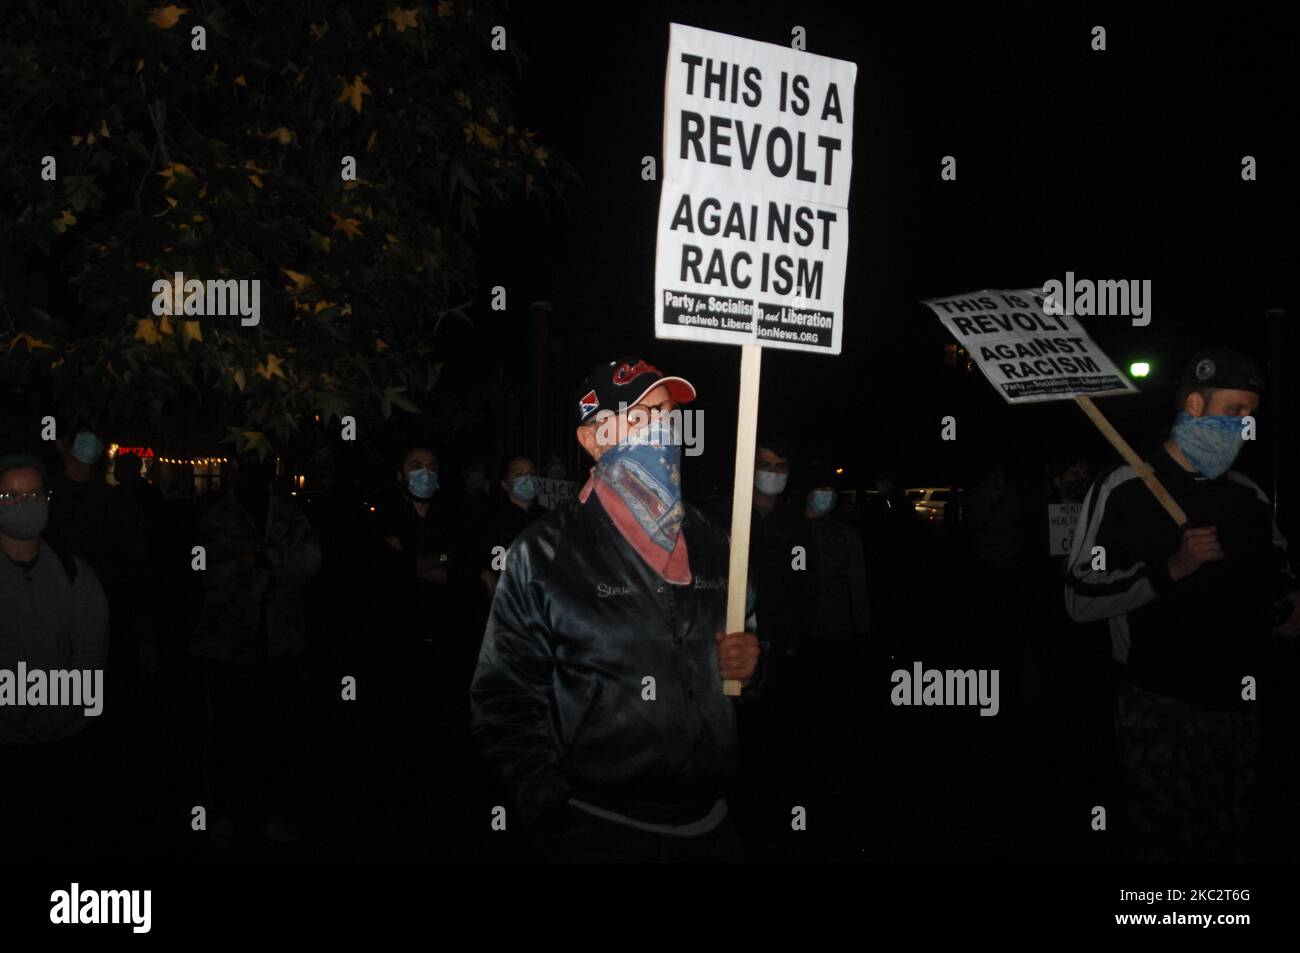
{"x": 624, "y": 382}
{"x": 1223, "y": 367}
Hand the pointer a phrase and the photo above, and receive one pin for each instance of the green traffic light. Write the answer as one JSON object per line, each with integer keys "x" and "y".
{"x": 1139, "y": 369}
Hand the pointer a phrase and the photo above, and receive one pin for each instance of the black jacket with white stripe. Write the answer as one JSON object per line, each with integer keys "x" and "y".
{"x": 1196, "y": 638}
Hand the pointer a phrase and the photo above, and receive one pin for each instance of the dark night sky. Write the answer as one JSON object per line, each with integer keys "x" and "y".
{"x": 1116, "y": 164}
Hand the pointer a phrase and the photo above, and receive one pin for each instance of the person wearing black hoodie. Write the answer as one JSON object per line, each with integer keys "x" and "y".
{"x": 1192, "y": 610}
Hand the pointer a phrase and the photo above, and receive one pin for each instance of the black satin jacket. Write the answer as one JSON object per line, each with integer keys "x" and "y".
{"x": 562, "y": 703}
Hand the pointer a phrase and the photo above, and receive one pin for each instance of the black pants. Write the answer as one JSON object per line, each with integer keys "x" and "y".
{"x": 594, "y": 839}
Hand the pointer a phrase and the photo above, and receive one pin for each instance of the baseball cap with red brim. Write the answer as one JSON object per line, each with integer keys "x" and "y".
{"x": 616, "y": 385}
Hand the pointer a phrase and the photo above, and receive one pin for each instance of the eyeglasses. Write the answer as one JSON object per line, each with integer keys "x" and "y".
{"x": 34, "y": 496}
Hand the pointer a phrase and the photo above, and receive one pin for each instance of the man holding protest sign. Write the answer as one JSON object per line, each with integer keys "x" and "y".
{"x": 1190, "y": 611}
{"x": 620, "y": 596}
{"x": 598, "y": 695}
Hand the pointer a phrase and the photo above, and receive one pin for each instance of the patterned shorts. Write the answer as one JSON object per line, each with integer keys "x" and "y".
{"x": 1189, "y": 777}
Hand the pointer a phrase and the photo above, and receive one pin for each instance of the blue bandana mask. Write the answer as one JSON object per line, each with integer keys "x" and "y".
{"x": 645, "y": 471}
{"x": 1209, "y": 443}
{"x": 525, "y": 488}
{"x": 822, "y": 501}
{"x": 422, "y": 483}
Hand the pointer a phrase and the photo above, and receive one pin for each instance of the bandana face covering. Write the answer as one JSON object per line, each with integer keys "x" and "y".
{"x": 645, "y": 471}
{"x": 1210, "y": 444}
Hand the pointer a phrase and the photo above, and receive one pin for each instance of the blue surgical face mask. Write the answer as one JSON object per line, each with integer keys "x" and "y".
{"x": 645, "y": 471}
{"x": 422, "y": 483}
{"x": 821, "y": 502}
{"x": 86, "y": 447}
{"x": 1209, "y": 443}
{"x": 524, "y": 487}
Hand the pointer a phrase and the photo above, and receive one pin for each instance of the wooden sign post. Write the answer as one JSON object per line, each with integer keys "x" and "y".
{"x": 1132, "y": 459}
{"x": 751, "y": 361}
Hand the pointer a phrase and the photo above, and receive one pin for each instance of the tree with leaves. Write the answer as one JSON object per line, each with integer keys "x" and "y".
{"x": 217, "y": 141}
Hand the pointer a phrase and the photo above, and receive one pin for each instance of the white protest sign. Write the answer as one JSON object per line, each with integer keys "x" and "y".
{"x": 753, "y": 215}
{"x": 1062, "y": 518}
{"x": 552, "y": 493}
{"x": 1027, "y": 355}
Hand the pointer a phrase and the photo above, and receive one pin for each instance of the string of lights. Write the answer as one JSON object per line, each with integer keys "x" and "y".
{"x": 147, "y": 453}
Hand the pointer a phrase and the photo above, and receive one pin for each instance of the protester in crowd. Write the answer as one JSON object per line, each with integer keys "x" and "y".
{"x": 474, "y": 503}
{"x": 423, "y": 591}
{"x": 418, "y": 533}
{"x": 261, "y": 554}
{"x": 993, "y": 519}
{"x": 832, "y": 644}
{"x": 774, "y": 519}
{"x": 474, "y": 478}
{"x": 767, "y": 726}
{"x": 423, "y": 564}
{"x": 53, "y": 618}
{"x": 1070, "y": 479}
{"x": 1191, "y": 610}
{"x": 835, "y": 587}
{"x": 555, "y": 468}
{"x": 502, "y": 518}
{"x": 82, "y": 521}
{"x": 598, "y": 696}
{"x": 508, "y": 516}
